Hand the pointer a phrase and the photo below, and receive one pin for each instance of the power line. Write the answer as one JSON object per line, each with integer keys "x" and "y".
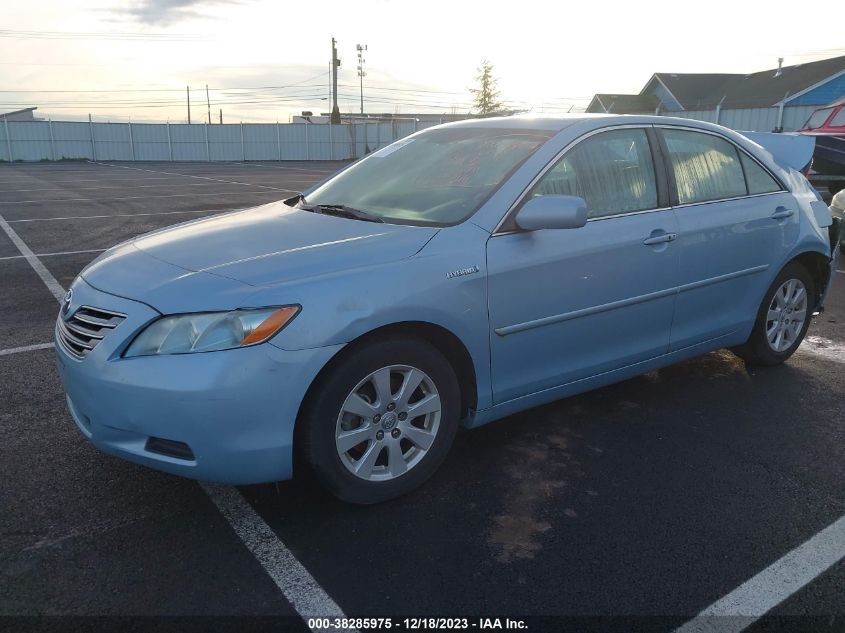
{"x": 284, "y": 87}
{"x": 124, "y": 90}
{"x": 168, "y": 104}
{"x": 303, "y": 99}
{"x": 100, "y": 35}
{"x": 395, "y": 95}
{"x": 301, "y": 92}
{"x": 405, "y": 89}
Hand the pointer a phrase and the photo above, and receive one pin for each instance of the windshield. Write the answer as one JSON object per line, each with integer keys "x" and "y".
{"x": 440, "y": 177}
{"x": 818, "y": 118}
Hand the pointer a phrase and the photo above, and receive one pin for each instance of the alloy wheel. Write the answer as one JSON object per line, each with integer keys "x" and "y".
{"x": 787, "y": 315}
{"x": 388, "y": 423}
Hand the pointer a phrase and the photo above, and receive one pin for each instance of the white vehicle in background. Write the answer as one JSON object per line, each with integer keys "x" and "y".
{"x": 837, "y": 210}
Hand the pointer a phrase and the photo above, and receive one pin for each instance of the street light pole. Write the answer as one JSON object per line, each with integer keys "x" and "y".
{"x": 361, "y": 73}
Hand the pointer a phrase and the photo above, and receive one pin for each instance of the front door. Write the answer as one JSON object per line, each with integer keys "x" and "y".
{"x": 566, "y": 304}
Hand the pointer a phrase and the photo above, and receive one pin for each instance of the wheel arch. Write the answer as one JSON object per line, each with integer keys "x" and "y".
{"x": 818, "y": 265}
{"x": 442, "y": 339}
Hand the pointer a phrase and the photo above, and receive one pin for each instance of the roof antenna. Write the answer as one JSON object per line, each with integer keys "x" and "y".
{"x": 779, "y": 71}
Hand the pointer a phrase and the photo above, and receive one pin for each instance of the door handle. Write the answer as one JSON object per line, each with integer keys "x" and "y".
{"x": 660, "y": 239}
{"x": 782, "y": 213}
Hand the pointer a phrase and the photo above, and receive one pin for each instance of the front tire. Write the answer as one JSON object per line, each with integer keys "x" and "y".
{"x": 381, "y": 420}
{"x": 782, "y": 319}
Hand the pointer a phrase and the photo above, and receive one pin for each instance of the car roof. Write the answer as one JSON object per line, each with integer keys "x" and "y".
{"x": 528, "y": 121}
{"x": 560, "y": 122}
{"x": 581, "y": 123}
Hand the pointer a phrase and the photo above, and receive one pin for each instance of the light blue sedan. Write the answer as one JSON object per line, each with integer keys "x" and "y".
{"x": 458, "y": 276}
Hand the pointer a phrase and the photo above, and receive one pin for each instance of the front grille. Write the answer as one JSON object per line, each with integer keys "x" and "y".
{"x": 85, "y": 328}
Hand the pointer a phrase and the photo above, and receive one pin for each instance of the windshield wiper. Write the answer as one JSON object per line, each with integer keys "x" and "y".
{"x": 341, "y": 211}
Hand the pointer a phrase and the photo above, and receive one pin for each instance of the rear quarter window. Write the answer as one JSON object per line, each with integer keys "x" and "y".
{"x": 758, "y": 179}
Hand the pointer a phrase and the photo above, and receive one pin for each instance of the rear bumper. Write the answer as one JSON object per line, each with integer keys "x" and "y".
{"x": 234, "y": 409}
{"x": 835, "y": 231}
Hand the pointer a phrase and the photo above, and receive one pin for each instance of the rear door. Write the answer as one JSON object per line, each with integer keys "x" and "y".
{"x": 736, "y": 222}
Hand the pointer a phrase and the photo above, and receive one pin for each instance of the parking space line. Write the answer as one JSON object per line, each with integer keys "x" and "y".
{"x": 173, "y": 173}
{"x": 175, "y": 195}
{"x": 180, "y": 184}
{"x": 286, "y": 168}
{"x": 90, "y": 250}
{"x": 25, "y": 348}
{"x": 298, "y": 586}
{"x": 754, "y": 598}
{"x": 116, "y": 178}
{"x": 123, "y": 215}
{"x": 52, "y": 285}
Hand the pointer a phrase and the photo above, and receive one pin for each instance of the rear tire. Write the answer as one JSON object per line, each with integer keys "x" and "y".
{"x": 380, "y": 422}
{"x": 782, "y": 319}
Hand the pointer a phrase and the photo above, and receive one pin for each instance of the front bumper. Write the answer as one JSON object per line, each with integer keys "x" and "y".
{"x": 234, "y": 409}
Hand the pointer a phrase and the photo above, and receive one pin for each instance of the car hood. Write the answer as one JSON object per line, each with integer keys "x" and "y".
{"x": 227, "y": 254}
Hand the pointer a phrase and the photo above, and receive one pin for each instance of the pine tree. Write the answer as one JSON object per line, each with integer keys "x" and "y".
{"x": 486, "y": 96}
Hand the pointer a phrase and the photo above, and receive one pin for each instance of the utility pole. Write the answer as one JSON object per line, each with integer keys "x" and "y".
{"x": 361, "y": 73}
{"x": 335, "y": 118}
{"x": 188, "y": 92}
{"x": 208, "y": 103}
{"x": 221, "y": 116}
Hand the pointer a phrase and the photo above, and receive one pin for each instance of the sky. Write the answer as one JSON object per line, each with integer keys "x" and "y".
{"x": 266, "y": 60}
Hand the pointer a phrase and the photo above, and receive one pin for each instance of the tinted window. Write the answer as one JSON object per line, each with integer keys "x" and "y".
{"x": 758, "y": 179}
{"x": 612, "y": 171}
{"x": 706, "y": 167}
{"x": 839, "y": 119}
{"x": 440, "y": 177}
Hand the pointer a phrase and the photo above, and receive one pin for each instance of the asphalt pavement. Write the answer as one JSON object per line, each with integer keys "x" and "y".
{"x": 634, "y": 506}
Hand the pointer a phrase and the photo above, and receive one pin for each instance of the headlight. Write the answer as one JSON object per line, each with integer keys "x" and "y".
{"x": 210, "y": 331}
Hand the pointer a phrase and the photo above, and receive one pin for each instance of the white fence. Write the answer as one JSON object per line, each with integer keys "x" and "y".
{"x": 752, "y": 119}
{"x": 55, "y": 140}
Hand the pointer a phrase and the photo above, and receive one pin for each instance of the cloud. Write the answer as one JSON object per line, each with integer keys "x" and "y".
{"x": 165, "y": 12}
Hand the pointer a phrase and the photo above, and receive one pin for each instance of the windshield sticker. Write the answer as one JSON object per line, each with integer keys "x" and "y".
{"x": 387, "y": 151}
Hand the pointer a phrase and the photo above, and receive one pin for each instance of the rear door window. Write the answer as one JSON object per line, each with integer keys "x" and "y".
{"x": 705, "y": 166}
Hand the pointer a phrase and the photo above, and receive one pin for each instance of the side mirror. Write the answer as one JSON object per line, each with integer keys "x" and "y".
{"x": 552, "y": 212}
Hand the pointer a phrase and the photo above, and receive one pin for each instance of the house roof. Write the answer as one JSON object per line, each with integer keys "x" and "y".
{"x": 624, "y": 104}
{"x": 793, "y": 80}
{"x": 693, "y": 90}
{"x": 700, "y": 91}
{"x": 4, "y": 114}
